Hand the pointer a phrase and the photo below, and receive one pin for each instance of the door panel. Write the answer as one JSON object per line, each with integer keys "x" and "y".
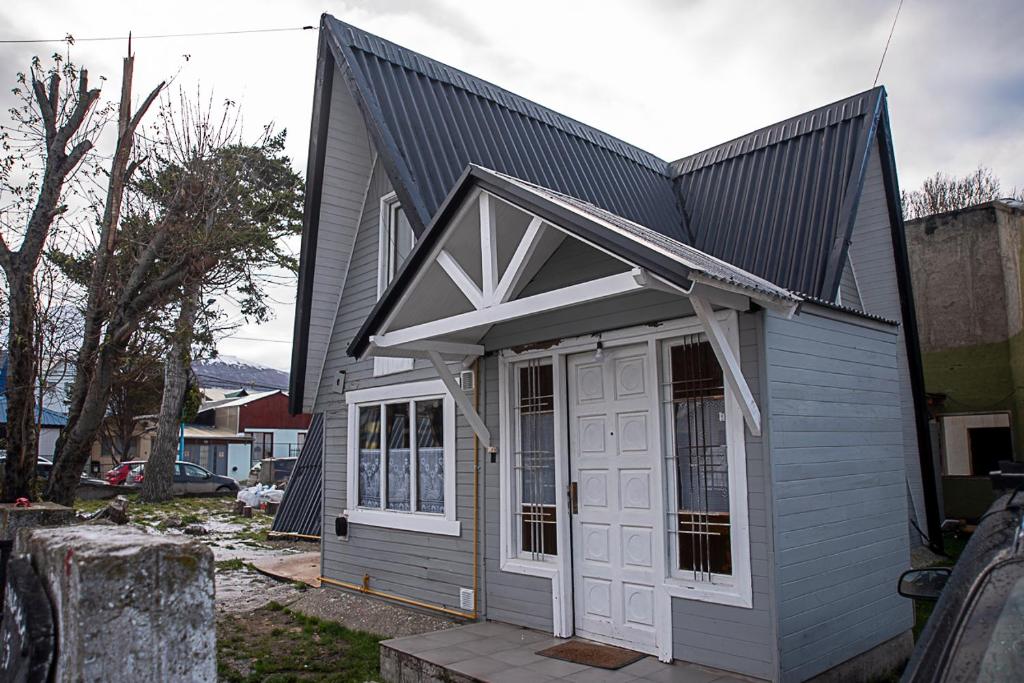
{"x": 614, "y": 458}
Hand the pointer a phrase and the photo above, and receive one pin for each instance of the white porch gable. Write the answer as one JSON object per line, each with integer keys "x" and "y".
{"x": 481, "y": 261}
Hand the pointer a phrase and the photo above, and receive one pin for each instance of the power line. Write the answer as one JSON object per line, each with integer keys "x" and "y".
{"x": 69, "y": 38}
{"x": 887, "y": 41}
{"x": 257, "y": 339}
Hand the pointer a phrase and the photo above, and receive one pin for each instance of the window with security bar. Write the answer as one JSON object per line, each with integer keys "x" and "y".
{"x": 701, "y": 523}
{"x": 401, "y": 456}
{"x": 534, "y": 459}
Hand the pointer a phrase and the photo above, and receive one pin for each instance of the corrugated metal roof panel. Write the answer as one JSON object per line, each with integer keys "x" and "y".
{"x": 300, "y": 508}
{"x": 51, "y": 418}
{"x": 779, "y": 202}
{"x": 441, "y": 120}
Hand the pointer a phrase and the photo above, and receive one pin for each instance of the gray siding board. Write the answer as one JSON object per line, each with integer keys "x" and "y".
{"x": 848, "y": 290}
{"x": 424, "y": 567}
{"x": 512, "y": 598}
{"x": 347, "y": 164}
{"x": 871, "y": 251}
{"x": 839, "y": 488}
{"x": 735, "y": 638}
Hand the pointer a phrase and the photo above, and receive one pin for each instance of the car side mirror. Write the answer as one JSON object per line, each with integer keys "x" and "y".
{"x": 924, "y": 584}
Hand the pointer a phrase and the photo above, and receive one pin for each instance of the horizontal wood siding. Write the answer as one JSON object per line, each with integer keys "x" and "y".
{"x": 424, "y": 567}
{"x": 872, "y": 255}
{"x": 347, "y": 161}
{"x": 840, "y": 507}
{"x": 512, "y": 598}
{"x": 735, "y": 638}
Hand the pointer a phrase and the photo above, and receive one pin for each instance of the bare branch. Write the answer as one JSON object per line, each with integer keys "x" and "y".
{"x": 46, "y": 108}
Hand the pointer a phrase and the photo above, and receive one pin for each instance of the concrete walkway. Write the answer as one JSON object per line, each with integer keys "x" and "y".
{"x": 500, "y": 653}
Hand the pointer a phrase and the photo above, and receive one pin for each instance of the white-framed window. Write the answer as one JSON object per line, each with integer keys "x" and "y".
{"x": 708, "y": 536}
{"x": 535, "y": 532}
{"x": 401, "y": 458}
{"x": 395, "y": 243}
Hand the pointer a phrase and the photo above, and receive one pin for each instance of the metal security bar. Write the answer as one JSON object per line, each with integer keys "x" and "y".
{"x": 694, "y": 400}
{"x": 534, "y": 460}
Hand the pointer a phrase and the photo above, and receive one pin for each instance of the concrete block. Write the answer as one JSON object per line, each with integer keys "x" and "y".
{"x": 40, "y": 514}
{"x": 129, "y": 606}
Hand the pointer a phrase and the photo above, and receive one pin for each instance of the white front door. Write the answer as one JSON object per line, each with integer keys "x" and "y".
{"x": 613, "y": 451}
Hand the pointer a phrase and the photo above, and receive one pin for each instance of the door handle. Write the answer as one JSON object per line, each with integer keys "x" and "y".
{"x": 574, "y": 507}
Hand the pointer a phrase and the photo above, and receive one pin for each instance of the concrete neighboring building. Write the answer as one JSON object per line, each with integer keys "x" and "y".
{"x": 966, "y": 272}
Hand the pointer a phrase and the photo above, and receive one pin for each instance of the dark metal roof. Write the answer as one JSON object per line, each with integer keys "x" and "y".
{"x": 781, "y": 201}
{"x": 432, "y": 121}
{"x": 778, "y": 203}
{"x": 300, "y": 508}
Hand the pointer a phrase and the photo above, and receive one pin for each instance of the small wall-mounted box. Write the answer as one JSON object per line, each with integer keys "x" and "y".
{"x": 341, "y": 527}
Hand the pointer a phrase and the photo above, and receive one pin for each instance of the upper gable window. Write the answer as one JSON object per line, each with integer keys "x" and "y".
{"x": 396, "y": 240}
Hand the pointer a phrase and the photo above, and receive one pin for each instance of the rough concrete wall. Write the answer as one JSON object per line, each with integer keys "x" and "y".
{"x": 966, "y": 270}
{"x": 153, "y": 593}
{"x": 957, "y": 266}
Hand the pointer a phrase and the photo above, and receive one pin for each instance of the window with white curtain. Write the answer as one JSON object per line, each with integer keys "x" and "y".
{"x": 402, "y": 448}
{"x": 534, "y": 460}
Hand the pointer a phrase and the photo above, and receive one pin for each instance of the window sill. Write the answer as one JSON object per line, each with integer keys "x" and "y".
{"x": 516, "y": 565}
{"x": 406, "y": 521}
{"x": 704, "y": 592}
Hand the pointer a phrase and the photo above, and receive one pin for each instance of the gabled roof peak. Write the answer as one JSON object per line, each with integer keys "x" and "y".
{"x": 381, "y": 48}
{"x": 787, "y": 129}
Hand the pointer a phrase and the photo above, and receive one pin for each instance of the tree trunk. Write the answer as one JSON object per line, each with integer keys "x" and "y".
{"x": 156, "y": 486}
{"x": 76, "y": 441}
{"x": 22, "y": 445}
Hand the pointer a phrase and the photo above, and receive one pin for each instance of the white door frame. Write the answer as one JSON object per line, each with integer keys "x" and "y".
{"x": 559, "y": 569}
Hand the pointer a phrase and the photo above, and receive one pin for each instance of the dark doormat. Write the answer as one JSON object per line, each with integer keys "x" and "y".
{"x": 592, "y": 654}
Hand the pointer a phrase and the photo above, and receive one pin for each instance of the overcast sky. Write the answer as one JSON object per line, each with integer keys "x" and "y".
{"x": 672, "y": 77}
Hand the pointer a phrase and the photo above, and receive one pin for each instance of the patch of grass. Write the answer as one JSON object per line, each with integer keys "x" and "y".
{"x": 276, "y": 644}
{"x": 231, "y": 565}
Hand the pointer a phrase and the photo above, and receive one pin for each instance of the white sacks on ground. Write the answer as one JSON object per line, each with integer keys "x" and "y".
{"x": 258, "y": 495}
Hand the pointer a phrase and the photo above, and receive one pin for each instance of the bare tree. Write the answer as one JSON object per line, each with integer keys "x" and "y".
{"x": 53, "y": 130}
{"x": 941, "y": 193}
{"x": 112, "y": 315}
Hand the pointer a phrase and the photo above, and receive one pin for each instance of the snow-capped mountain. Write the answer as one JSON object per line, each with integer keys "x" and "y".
{"x": 234, "y": 373}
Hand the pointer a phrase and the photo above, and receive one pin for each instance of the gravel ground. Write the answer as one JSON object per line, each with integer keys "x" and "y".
{"x": 367, "y": 613}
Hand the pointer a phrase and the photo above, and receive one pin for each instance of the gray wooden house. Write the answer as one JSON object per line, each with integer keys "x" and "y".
{"x": 673, "y": 406}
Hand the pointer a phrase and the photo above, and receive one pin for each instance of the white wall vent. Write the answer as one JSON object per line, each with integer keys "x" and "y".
{"x": 466, "y": 599}
{"x": 467, "y": 380}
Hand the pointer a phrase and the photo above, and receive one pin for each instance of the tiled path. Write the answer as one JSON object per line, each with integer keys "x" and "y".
{"x": 500, "y": 653}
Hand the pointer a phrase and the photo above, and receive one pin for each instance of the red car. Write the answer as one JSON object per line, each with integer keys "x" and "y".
{"x": 119, "y": 475}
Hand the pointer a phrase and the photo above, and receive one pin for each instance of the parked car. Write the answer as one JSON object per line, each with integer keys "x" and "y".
{"x": 119, "y": 475}
{"x": 43, "y": 465}
{"x": 976, "y": 631}
{"x": 189, "y": 478}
